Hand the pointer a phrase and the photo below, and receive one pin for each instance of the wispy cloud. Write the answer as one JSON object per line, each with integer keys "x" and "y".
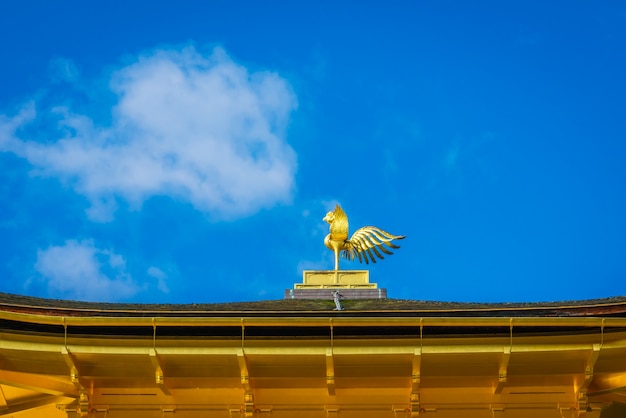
{"x": 63, "y": 70}
{"x": 199, "y": 128}
{"x": 161, "y": 278}
{"x": 79, "y": 270}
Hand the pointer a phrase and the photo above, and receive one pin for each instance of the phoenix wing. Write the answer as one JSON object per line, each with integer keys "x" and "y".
{"x": 369, "y": 242}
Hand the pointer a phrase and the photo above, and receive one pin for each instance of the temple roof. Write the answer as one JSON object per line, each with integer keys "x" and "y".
{"x": 613, "y": 306}
{"x": 378, "y": 358}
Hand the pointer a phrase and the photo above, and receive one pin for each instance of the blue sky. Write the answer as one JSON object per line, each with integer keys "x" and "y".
{"x": 186, "y": 152}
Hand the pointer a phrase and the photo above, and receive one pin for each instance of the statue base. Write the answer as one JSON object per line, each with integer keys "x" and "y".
{"x": 335, "y": 279}
{"x": 320, "y": 284}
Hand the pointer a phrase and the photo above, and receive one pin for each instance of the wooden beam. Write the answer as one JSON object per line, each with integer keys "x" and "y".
{"x": 73, "y": 368}
{"x": 416, "y": 379}
{"x": 606, "y": 383}
{"x": 472, "y": 345}
{"x": 416, "y": 370}
{"x": 248, "y": 397}
{"x": 589, "y": 366}
{"x": 581, "y": 391}
{"x": 38, "y": 383}
{"x": 83, "y": 396}
{"x": 4, "y": 407}
{"x": 377, "y": 321}
{"x": 243, "y": 369}
{"x": 32, "y": 403}
{"x": 503, "y": 370}
{"x": 158, "y": 372}
{"x": 330, "y": 372}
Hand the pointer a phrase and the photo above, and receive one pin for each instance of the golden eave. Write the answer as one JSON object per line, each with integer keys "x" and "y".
{"x": 355, "y": 363}
{"x": 371, "y": 319}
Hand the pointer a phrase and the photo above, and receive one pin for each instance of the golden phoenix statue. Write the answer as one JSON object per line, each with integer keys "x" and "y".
{"x": 364, "y": 244}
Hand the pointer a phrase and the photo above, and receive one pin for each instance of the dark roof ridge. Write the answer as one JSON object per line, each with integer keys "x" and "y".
{"x": 611, "y": 305}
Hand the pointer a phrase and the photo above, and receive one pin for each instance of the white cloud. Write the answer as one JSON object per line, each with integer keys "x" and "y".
{"x": 160, "y": 276}
{"x": 198, "y": 128}
{"x": 79, "y": 270}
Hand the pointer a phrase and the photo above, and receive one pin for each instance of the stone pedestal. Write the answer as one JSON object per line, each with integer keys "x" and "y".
{"x": 320, "y": 284}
